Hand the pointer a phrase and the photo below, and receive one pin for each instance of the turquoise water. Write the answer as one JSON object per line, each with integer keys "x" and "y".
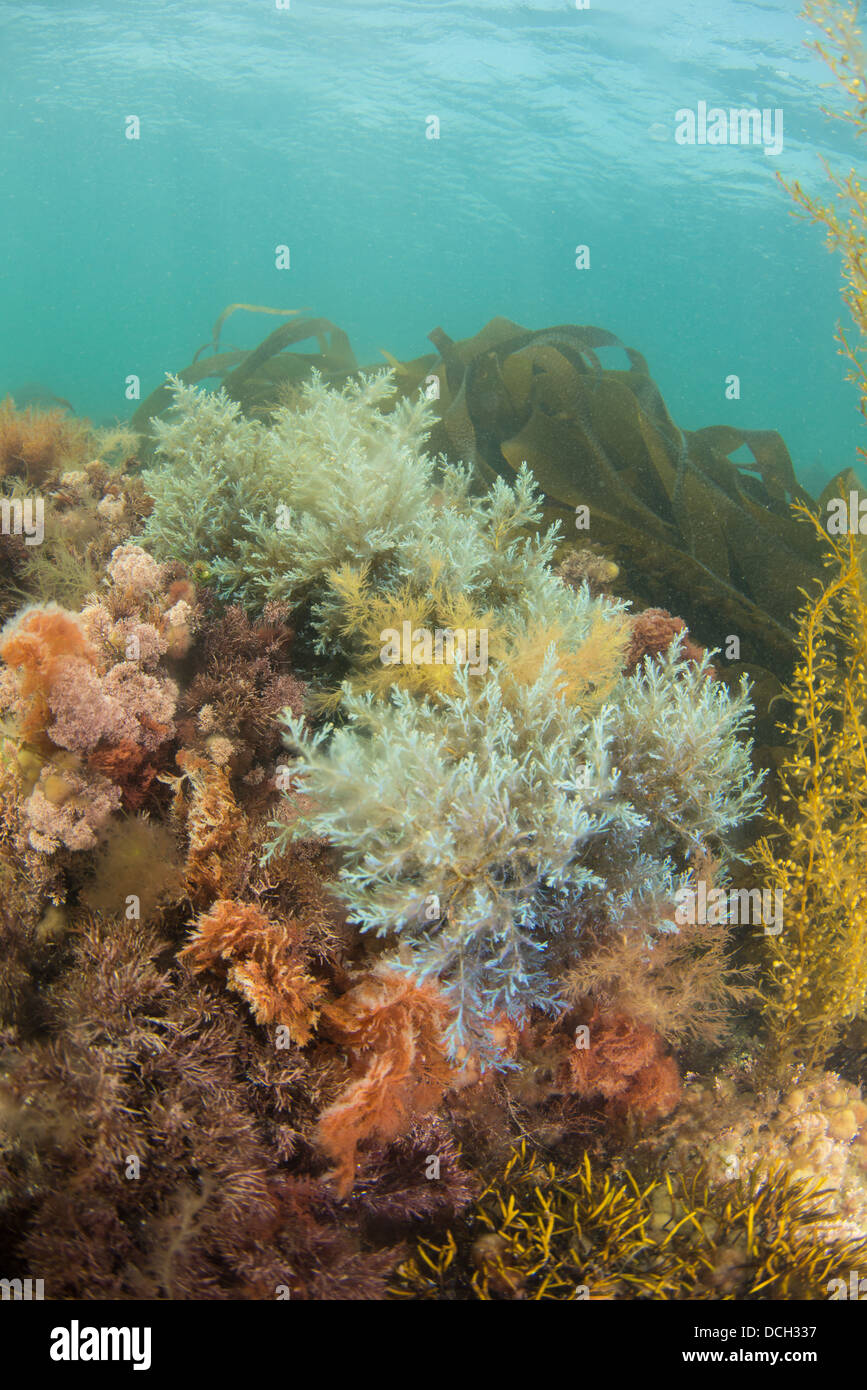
{"x": 307, "y": 127}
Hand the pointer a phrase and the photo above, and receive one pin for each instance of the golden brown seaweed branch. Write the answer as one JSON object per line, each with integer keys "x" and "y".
{"x": 845, "y": 220}
{"x": 818, "y": 963}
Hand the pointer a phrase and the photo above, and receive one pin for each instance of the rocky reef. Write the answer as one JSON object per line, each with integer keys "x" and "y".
{"x": 404, "y": 897}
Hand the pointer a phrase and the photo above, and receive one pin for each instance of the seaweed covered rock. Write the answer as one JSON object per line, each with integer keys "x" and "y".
{"x": 815, "y": 1124}
{"x": 538, "y": 1233}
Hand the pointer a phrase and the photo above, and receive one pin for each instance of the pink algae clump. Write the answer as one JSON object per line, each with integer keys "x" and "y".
{"x": 86, "y": 698}
{"x": 39, "y": 645}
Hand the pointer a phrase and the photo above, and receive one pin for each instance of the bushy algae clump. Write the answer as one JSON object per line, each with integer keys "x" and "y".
{"x": 481, "y": 820}
{"x": 482, "y": 830}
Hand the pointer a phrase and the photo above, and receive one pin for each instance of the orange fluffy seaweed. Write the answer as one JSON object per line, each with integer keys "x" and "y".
{"x": 392, "y": 1028}
{"x": 627, "y": 1066}
{"x": 266, "y": 963}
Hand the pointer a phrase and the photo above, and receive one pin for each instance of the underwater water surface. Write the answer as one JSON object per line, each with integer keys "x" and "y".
{"x": 307, "y": 126}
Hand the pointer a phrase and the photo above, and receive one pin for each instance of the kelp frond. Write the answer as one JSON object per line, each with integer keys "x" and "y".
{"x": 250, "y": 309}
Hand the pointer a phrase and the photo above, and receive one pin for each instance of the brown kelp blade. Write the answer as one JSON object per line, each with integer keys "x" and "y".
{"x": 214, "y": 344}
{"x": 254, "y": 378}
